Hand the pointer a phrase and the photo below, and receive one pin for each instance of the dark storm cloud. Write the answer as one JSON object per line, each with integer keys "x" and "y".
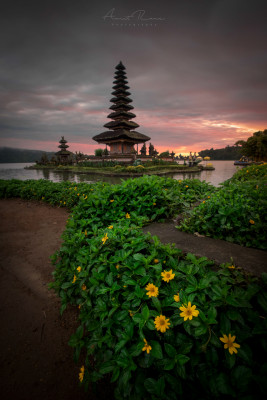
{"x": 197, "y": 75}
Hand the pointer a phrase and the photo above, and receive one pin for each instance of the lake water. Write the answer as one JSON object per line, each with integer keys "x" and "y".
{"x": 223, "y": 170}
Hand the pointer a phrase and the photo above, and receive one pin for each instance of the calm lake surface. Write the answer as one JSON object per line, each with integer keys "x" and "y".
{"x": 223, "y": 170}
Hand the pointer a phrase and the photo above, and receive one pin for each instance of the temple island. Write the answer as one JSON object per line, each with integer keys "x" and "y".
{"x": 120, "y": 139}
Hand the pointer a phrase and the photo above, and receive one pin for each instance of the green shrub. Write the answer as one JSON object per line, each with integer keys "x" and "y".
{"x": 236, "y": 212}
{"x": 106, "y": 272}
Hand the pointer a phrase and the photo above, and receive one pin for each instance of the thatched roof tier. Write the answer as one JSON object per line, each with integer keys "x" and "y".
{"x": 120, "y": 85}
{"x": 121, "y": 124}
{"x": 121, "y": 92}
{"x": 120, "y": 73}
{"x": 121, "y": 106}
{"x": 120, "y": 81}
{"x": 63, "y": 152}
{"x": 121, "y": 114}
{"x": 120, "y": 66}
{"x": 121, "y": 99}
{"x": 113, "y": 136}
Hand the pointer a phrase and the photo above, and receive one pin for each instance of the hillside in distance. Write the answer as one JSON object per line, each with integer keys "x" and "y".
{"x": 227, "y": 153}
{"x": 13, "y": 155}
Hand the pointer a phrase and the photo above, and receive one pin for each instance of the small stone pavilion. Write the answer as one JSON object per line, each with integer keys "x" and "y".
{"x": 64, "y": 156}
{"x": 121, "y": 136}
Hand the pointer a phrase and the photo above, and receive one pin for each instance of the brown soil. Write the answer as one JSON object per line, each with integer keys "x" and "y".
{"x": 36, "y": 361}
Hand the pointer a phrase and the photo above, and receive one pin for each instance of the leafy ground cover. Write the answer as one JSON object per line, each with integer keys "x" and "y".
{"x": 155, "y": 323}
{"x": 236, "y": 212}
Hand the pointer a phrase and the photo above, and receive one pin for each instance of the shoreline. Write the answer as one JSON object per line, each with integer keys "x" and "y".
{"x": 95, "y": 171}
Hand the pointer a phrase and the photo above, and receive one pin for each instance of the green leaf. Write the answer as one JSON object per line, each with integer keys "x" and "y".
{"x": 151, "y": 385}
{"x": 170, "y": 350}
{"x": 150, "y": 325}
{"x": 262, "y": 300}
{"x": 156, "y": 304}
{"x": 182, "y": 359}
{"x": 140, "y": 271}
{"x": 145, "y": 313}
{"x": 66, "y": 285}
{"x": 137, "y": 318}
{"x": 156, "y": 349}
{"x": 169, "y": 364}
{"x": 109, "y": 279}
{"x": 225, "y": 324}
{"x": 201, "y": 330}
{"x": 116, "y": 374}
{"x": 79, "y": 332}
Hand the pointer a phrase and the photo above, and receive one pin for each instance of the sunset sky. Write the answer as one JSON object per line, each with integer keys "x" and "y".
{"x": 196, "y": 71}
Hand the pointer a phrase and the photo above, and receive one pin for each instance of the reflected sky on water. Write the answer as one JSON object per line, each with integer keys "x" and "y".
{"x": 223, "y": 170}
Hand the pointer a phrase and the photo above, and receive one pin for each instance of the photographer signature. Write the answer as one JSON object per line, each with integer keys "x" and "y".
{"x": 137, "y": 15}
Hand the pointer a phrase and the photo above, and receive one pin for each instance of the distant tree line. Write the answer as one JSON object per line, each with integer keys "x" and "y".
{"x": 227, "y": 153}
{"x": 12, "y": 155}
{"x": 255, "y": 146}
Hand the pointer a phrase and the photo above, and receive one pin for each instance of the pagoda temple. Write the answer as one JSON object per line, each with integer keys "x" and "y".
{"x": 64, "y": 156}
{"x": 121, "y": 136}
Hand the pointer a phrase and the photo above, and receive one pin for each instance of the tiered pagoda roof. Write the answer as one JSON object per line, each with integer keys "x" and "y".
{"x": 121, "y": 128}
{"x": 63, "y": 147}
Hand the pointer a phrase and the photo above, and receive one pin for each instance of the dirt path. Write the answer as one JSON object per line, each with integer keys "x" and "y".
{"x": 251, "y": 260}
{"x": 36, "y": 361}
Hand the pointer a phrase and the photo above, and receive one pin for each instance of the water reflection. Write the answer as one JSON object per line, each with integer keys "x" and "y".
{"x": 223, "y": 170}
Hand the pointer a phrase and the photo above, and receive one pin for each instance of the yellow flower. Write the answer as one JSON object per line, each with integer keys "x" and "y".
{"x": 81, "y": 374}
{"x": 229, "y": 343}
{"x": 42, "y": 198}
{"x": 111, "y": 201}
{"x": 74, "y": 278}
{"x": 203, "y": 202}
{"x": 251, "y": 221}
{"x": 167, "y": 275}
{"x": 105, "y": 238}
{"x": 78, "y": 194}
{"x": 146, "y": 347}
{"x": 154, "y": 204}
{"x": 156, "y": 261}
{"x": 188, "y": 311}
{"x": 127, "y": 215}
{"x": 186, "y": 185}
{"x": 131, "y": 313}
{"x": 117, "y": 266}
{"x": 85, "y": 232}
{"x": 208, "y": 197}
{"x": 231, "y": 267}
{"x": 64, "y": 202}
{"x": 152, "y": 290}
{"x": 79, "y": 269}
{"x": 110, "y": 227}
{"x": 176, "y": 297}
{"x": 161, "y": 323}
{"x": 83, "y": 287}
